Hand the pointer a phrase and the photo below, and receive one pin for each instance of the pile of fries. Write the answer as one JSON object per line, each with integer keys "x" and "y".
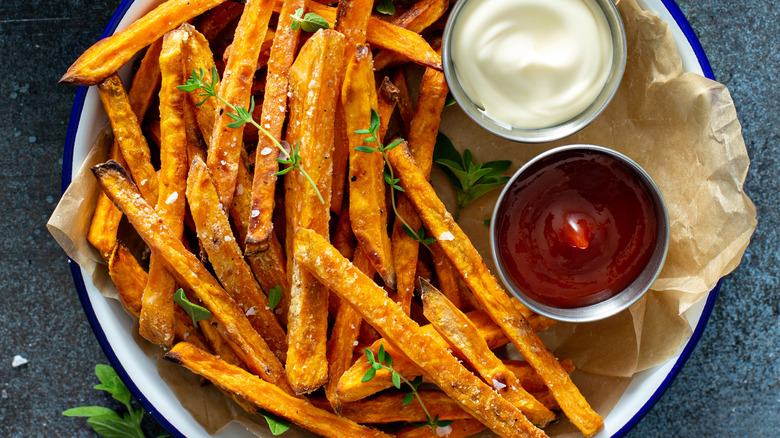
{"x": 302, "y": 232}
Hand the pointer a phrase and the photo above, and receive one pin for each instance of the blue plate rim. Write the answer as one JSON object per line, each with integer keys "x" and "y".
{"x": 89, "y": 311}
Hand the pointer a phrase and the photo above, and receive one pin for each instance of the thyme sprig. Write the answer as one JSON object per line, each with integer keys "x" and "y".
{"x": 390, "y": 179}
{"x": 243, "y": 116}
{"x": 383, "y": 360}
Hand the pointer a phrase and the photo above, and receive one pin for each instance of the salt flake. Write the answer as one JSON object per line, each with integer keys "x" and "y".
{"x": 255, "y": 213}
{"x": 18, "y": 361}
{"x": 265, "y": 151}
{"x": 251, "y": 311}
{"x": 446, "y": 236}
{"x": 172, "y": 198}
{"x": 443, "y": 431}
{"x": 498, "y": 385}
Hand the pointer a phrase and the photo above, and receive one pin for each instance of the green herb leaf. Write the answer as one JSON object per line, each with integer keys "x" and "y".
{"x": 374, "y": 121}
{"x": 105, "y": 421}
{"x": 409, "y": 232}
{"x": 196, "y": 312}
{"x": 385, "y": 7}
{"x": 274, "y": 296}
{"x": 295, "y": 24}
{"x": 469, "y": 178}
{"x": 277, "y": 425}
{"x": 380, "y": 355}
{"x": 449, "y": 101}
{"x": 310, "y": 22}
{"x": 486, "y": 222}
{"x": 395, "y": 143}
{"x": 396, "y": 380}
{"x": 416, "y": 382}
{"x": 408, "y": 399}
{"x": 370, "y": 356}
{"x": 368, "y": 375}
{"x": 90, "y": 411}
{"x": 113, "y": 428}
{"x": 443, "y": 423}
{"x": 112, "y": 384}
{"x": 366, "y": 149}
{"x": 388, "y": 360}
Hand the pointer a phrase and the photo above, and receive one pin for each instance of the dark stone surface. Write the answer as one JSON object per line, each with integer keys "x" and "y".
{"x": 729, "y": 387}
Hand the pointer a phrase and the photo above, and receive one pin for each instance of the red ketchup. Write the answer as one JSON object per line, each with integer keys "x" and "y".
{"x": 576, "y": 229}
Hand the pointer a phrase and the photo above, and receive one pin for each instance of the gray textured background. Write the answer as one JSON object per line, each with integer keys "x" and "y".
{"x": 729, "y": 387}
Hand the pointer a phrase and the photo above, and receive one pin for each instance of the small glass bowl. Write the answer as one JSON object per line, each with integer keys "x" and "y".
{"x": 551, "y": 133}
{"x": 630, "y": 294}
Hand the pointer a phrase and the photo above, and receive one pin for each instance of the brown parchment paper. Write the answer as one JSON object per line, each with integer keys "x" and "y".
{"x": 682, "y": 128}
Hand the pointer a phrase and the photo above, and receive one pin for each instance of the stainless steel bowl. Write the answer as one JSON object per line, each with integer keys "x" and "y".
{"x": 623, "y": 299}
{"x": 556, "y": 132}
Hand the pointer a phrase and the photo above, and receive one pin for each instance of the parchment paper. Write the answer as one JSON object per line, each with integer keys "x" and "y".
{"x": 682, "y": 128}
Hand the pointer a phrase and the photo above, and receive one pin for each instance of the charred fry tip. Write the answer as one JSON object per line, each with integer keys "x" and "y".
{"x": 389, "y": 90}
{"x": 108, "y": 167}
{"x": 173, "y": 357}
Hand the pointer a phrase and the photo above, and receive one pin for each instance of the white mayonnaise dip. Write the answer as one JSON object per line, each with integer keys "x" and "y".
{"x": 531, "y": 63}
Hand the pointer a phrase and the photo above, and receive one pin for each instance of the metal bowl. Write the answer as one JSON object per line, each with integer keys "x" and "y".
{"x": 622, "y": 299}
{"x": 551, "y": 133}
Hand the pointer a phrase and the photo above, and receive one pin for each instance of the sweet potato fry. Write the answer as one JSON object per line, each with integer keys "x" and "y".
{"x": 212, "y": 22}
{"x": 313, "y": 84}
{"x": 106, "y": 218}
{"x": 226, "y": 143}
{"x": 352, "y": 17}
{"x": 156, "y": 319}
{"x": 198, "y": 56}
{"x": 423, "y": 128}
{"x": 269, "y": 266}
{"x": 225, "y": 256}
{"x": 486, "y": 288}
{"x": 387, "y": 98}
{"x": 107, "y": 55}
{"x": 343, "y": 338}
{"x": 130, "y": 280}
{"x": 421, "y": 15}
{"x": 127, "y": 132}
{"x": 405, "y": 104}
{"x": 266, "y": 396}
{"x": 128, "y": 276}
{"x": 367, "y": 205}
{"x": 340, "y": 159}
{"x": 529, "y": 378}
{"x": 351, "y": 388}
{"x": 454, "y": 326}
{"x": 146, "y": 81}
{"x": 458, "y": 429}
{"x": 446, "y": 276}
{"x": 195, "y": 145}
{"x": 387, "y": 408}
{"x": 272, "y": 119}
{"x": 371, "y": 301}
{"x": 405, "y": 252}
{"x": 244, "y": 340}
